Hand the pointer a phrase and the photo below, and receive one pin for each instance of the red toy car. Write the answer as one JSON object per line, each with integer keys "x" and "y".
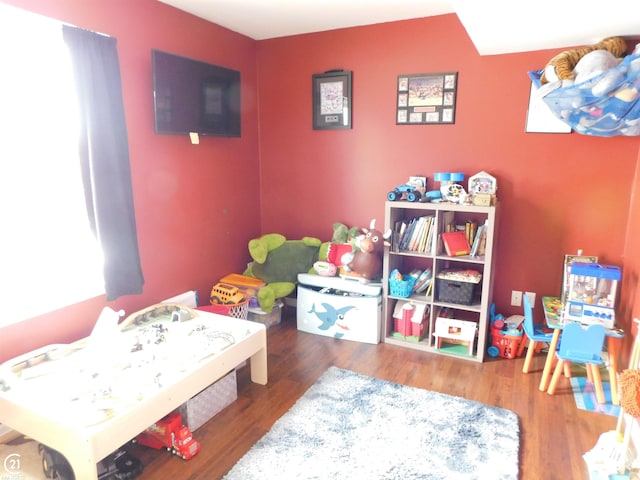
{"x": 171, "y": 434}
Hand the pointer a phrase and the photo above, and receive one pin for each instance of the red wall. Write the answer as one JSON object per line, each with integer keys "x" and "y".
{"x": 558, "y": 193}
{"x": 197, "y": 206}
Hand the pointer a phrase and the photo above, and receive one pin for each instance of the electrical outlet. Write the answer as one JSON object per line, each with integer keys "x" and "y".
{"x": 532, "y": 298}
{"x": 516, "y": 298}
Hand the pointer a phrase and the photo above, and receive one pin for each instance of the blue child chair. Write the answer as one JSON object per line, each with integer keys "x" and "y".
{"x": 536, "y": 333}
{"x": 581, "y": 345}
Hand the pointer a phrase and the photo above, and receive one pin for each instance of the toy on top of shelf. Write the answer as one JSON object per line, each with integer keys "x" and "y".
{"x": 406, "y": 191}
{"x": 412, "y": 191}
{"x": 451, "y": 190}
{"x": 482, "y": 189}
{"x": 366, "y": 263}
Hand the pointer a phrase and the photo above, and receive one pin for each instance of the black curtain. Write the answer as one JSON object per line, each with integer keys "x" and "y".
{"x": 104, "y": 154}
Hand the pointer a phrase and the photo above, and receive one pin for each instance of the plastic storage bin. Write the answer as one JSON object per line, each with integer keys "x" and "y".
{"x": 504, "y": 344}
{"x": 237, "y": 310}
{"x": 402, "y": 288}
{"x": 256, "y": 314}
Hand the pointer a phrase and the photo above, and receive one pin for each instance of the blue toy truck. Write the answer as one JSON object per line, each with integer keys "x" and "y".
{"x": 411, "y": 193}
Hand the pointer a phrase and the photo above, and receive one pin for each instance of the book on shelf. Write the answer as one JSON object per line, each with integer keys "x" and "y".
{"x": 413, "y": 235}
{"x": 417, "y": 234}
{"x": 479, "y": 242}
{"x": 429, "y": 287}
{"x": 470, "y": 228}
{"x": 456, "y": 243}
{"x": 422, "y": 281}
{"x": 422, "y": 246}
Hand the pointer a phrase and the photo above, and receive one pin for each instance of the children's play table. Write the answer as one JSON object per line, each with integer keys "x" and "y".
{"x": 553, "y": 308}
{"x": 86, "y": 400}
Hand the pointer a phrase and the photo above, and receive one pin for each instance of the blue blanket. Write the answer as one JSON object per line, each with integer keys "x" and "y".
{"x": 605, "y": 105}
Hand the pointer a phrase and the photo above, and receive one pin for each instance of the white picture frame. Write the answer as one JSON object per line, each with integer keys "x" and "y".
{"x": 540, "y": 119}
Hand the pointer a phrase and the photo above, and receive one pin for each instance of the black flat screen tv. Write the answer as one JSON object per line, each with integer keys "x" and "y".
{"x": 190, "y": 96}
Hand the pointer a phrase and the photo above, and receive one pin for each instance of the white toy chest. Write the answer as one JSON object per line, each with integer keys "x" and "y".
{"x": 339, "y": 308}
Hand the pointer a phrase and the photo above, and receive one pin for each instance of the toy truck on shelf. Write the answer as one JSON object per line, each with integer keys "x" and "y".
{"x": 172, "y": 434}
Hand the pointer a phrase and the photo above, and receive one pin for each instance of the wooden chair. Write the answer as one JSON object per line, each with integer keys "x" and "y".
{"x": 536, "y": 334}
{"x": 581, "y": 345}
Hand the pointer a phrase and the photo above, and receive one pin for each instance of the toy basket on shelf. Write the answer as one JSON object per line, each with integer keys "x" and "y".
{"x": 401, "y": 288}
{"x": 605, "y": 105}
{"x": 236, "y": 310}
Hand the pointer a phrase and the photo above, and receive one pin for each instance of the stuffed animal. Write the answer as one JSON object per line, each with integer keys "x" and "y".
{"x": 561, "y": 67}
{"x": 278, "y": 261}
{"x": 366, "y": 263}
{"x": 331, "y": 253}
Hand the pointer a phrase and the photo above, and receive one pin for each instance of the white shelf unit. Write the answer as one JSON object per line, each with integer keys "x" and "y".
{"x": 438, "y": 260}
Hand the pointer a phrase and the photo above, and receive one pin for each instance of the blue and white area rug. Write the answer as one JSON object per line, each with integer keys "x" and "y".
{"x": 584, "y": 394}
{"x": 349, "y": 425}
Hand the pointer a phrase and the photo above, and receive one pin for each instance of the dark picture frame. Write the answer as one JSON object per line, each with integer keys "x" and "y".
{"x": 426, "y": 98}
{"x": 331, "y": 93}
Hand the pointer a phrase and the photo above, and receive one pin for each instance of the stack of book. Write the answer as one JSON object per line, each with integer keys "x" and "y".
{"x": 424, "y": 281}
{"x": 417, "y": 234}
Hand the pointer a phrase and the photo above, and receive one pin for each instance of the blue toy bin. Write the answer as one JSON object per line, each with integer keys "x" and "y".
{"x": 401, "y": 288}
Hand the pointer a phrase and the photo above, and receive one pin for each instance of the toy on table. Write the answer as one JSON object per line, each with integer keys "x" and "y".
{"x": 366, "y": 263}
{"x": 592, "y": 293}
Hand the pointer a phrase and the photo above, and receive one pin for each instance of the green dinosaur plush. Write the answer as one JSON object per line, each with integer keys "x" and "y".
{"x": 278, "y": 261}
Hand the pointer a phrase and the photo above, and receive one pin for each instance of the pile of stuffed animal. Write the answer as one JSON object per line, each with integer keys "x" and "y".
{"x": 595, "y": 89}
{"x": 277, "y": 261}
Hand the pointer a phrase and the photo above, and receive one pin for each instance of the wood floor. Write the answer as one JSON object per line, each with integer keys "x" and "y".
{"x": 554, "y": 434}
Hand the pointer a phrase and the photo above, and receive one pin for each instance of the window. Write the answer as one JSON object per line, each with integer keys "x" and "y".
{"x": 48, "y": 256}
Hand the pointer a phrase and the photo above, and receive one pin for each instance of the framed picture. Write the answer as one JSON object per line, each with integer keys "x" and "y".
{"x": 332, "y": 100}
{"x": 568, "y": 261}
{"x": 540, "y": 118}
{"x": 427, "y": 98}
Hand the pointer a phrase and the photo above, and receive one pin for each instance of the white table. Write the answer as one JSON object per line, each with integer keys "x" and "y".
{"x": 34, "y": 408}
